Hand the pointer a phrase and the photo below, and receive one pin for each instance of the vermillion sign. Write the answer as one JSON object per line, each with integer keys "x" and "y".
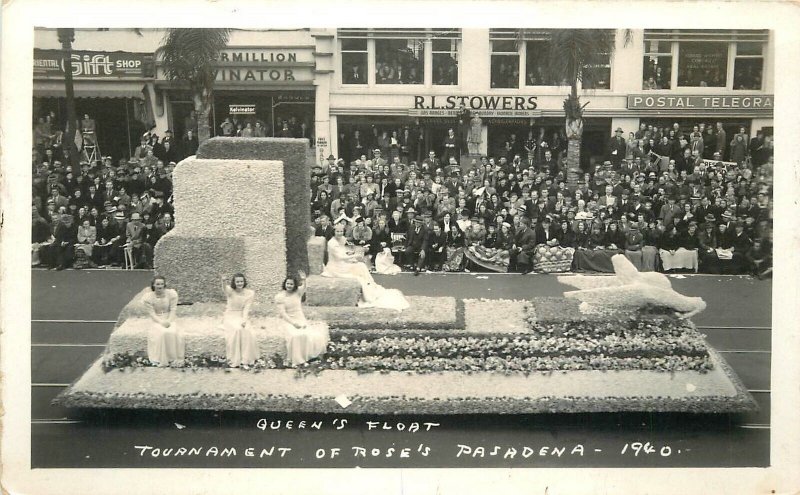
{"x": 710, "y": 102}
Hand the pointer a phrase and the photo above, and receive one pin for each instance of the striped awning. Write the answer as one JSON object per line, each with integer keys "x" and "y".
{"x": 89, "y": 89}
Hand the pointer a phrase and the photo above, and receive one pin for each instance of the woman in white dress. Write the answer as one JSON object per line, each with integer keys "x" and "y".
{"x": 343, "y": 262}
{"x": 305, "y": 339}
{"x": 164, "y": 340}
{"x": 241, "y": 347}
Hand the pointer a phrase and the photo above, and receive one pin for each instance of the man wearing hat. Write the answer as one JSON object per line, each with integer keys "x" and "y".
{"x": 416, "y": 243}
{"x": 361, "y": 235}
{"x": 521, "y": 253}
{"x": 330, "y": 165}
{"x": 670, "y": 212}
{"x": 617, "y": 148}
{"x": 378, "y": 160}
{"x": 135, "y": 236}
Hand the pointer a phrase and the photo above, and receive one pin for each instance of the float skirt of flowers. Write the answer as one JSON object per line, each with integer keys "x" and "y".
{"x": 472, "y": 356}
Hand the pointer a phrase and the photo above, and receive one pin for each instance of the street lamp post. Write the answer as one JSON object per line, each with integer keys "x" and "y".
{"x": 66, "y": 36}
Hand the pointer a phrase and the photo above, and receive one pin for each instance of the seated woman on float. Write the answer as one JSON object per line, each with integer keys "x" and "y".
{"x": 305, "y": 339}
{"x": 344, "y": 262}
{"x": 241, "y": 347}
{"x": 165, "y": 343}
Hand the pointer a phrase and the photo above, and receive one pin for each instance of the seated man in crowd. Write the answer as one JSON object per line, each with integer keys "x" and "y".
{"x": 135, "y": 235}
{"x": 415, "y": 246}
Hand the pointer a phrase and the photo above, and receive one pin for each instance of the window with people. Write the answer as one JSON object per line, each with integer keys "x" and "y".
{"x": 703, "y": 63}
{"x": 399, "y": 61}
{"x": 505, "y": 64}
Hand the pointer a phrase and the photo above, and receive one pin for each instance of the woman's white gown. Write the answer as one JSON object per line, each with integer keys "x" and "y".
{"x": 372, "y": 294}
{"x": 164, "y": 345}
{"x": 241, "y": 346}
{"x": 306, "y": 342}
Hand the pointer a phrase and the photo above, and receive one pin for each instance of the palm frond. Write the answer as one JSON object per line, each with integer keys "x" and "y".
{"x": 574, "y": 53}
{"x": 189, "y": 54}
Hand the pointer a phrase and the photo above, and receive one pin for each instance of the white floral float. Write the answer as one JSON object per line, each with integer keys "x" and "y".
{"x": 629, "y": 288}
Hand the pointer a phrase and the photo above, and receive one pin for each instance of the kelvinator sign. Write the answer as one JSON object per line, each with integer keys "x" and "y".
{"x": 481, "y": 105}
{"x": 93, "y": 65}
{"x": 701, "y": 102}
{"x": 242, "y": 109}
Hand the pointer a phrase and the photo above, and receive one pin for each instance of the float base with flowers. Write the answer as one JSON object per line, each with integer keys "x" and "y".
{"x": 440, "y": 356}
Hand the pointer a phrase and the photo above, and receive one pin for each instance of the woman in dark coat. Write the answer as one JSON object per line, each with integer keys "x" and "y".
{"x": 455, "y": 241}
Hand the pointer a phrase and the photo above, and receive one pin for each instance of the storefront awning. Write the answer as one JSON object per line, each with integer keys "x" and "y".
{"x": 90, "y": 89}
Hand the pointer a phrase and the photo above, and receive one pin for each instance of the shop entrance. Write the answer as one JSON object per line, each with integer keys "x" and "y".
{"x": 423, "y": 135}
{"x": 596, "y": 133}
{"x": 280, "y": 113}
{"x": 117, "y": 120}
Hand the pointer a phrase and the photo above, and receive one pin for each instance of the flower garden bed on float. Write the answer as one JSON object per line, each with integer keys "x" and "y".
{"x": 444, "y": 356}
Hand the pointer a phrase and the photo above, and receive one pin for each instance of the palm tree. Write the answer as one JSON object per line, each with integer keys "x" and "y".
{"x": 573, "y": 56}
{"x": 190, "y": 56}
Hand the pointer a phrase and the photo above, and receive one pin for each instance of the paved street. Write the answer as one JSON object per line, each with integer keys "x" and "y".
{"x": 74, "y": 312}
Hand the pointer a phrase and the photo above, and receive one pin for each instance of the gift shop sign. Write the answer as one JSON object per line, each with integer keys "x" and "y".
{"x": 480, "y": 105}
{"x": 93, "y": 65}
{"x": 710, "y": 102}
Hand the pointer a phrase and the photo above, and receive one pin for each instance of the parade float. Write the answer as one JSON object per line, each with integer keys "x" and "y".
{"x": 618, "y": 343}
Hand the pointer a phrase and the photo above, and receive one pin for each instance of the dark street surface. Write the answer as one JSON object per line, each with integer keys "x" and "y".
{"x": 68, "y": 334}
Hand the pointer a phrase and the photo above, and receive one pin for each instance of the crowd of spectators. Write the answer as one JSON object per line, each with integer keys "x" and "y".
{"x": 252, "y": 126}
{"x": 656, "y": 198}
{"x": 660, "y": 204}
{"x": 99, "y": 212}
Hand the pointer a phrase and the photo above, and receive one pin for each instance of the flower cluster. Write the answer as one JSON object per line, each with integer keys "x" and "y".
{"x": 518, "y": 346}
{"x": 139, "y": 359}
{"x": 510, "y": 364}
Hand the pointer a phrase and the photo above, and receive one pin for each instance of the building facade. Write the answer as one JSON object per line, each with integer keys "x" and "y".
{"x": 418, "y": 79}
{"x": 349, "y": 89}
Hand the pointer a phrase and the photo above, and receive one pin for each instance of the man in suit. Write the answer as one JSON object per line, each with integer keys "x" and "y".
{"x": 722, "y": 140}
{"x": 416, "y": 245}
{"x": 324, "y": 229}
{"x": 549, "y": 164}
{"x": 354, "y": 75}
{"x": 135, "y": 235}
{"x": 189, "y": 144}
{"x": 608, "y": 199}
{"x": 521, "y": 253}
{"x": 616, "y": 148}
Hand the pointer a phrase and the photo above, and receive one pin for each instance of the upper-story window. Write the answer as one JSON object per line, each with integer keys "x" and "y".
{"x": 399, "y": 61}
{"x": 748, "y": 66}
{"x": 400, "y": 56}
{"x": 520, "y": 57}
{"x": 505, "y": 64}
{"x": 702, "y": 64}
{"x": 445, "y": 62}
{"x": 601, "y": 71}
{"x": 731, "y": 59}
{"x": 536, "y": 64}
{"x": 657, "y": 65}
{"x": 354, "y": 61}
